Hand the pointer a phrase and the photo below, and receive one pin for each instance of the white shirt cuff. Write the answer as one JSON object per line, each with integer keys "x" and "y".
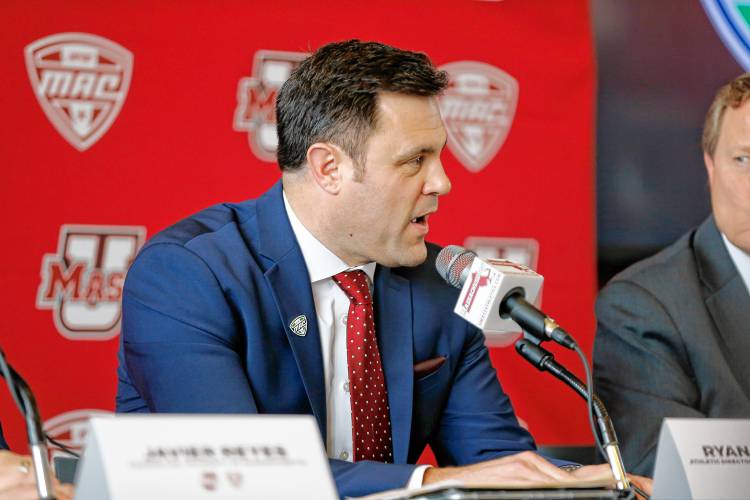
{"x": 417, "y": 477}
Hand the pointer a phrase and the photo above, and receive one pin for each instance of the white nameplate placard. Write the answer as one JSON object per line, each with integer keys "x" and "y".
{"x": 204, "y": 456}
{"x": 703, "y": 459}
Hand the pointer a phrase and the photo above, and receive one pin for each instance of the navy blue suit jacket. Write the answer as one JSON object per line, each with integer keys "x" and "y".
{"x": 206, "y": 311}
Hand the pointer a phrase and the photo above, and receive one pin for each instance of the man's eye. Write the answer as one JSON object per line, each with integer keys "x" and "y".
{"x": 418, "y": 160}
{"x": 742, "y": 159}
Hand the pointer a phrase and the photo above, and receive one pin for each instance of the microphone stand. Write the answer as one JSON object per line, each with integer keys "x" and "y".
{"x": 531, "y": 350}
{"x": 24, "y": 398}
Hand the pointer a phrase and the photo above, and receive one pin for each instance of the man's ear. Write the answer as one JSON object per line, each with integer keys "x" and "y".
{"x": 323, "y": 164}
{"x": 709, "y": 162}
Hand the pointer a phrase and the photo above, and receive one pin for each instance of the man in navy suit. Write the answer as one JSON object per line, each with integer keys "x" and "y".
{"x": 246, "y": 308}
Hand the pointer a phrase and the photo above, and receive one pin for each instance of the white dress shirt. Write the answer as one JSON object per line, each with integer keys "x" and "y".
{"x": 741, "y": 260}
{"x": 332, "y": 309}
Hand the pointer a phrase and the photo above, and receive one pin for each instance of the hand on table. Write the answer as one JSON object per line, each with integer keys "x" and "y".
{"x": 517, "y": 470}
{"x": 17, "y": 480}
{"x": 522, "y": 469}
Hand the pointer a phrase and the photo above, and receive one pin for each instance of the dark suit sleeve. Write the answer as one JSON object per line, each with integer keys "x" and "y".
{"x": 478, "y": 422}
{"x": 642, "y": 370}
{"x": 364, "y": 478}
{"x": 179, "y": 338}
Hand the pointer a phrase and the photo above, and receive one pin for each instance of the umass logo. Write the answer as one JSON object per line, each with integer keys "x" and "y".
{"x": 256, "y": 100}
{"x": 731, "y": 18}
{"x": 82, "y": 282}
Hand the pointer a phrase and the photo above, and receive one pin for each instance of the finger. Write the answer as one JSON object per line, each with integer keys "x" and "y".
{"x": 600, "y": 472}
{"x": 8, "y": 458}
{"x": 64, "y": 492}
{"x": 644, "y": 483}
{"x": 23, "y": 492}
{"x": 15, "y": 474}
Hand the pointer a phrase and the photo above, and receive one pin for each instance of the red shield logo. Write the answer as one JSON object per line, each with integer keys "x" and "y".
{"x": 70, "y": 428}
{"x": 82, "y": 282}
{"x": 256, "y": 100}
{"x": 81, "y": 82}
{"x": 478, "y": 108}
{"x": 523, "y": 251}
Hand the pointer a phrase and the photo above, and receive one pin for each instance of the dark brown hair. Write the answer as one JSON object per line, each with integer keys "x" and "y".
{"x": 332, "y": 96}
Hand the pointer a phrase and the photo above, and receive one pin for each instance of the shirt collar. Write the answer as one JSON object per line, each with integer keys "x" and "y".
{"x": 320, "y": 261}
{"x": 740, "y": 258}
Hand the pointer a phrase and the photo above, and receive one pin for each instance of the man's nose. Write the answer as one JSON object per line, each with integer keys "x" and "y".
{"x": 438, "y": 182}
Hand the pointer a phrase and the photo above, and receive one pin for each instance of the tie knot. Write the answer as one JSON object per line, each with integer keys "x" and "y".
{"x": 355, "y": 286}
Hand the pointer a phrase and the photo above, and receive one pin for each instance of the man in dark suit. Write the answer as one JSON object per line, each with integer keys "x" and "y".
{"x": 672, "y": 337}
{"x": 265, "y": 306}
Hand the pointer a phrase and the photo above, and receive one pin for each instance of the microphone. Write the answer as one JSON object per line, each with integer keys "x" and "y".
{"x": 496, "y": 295}
{"x": 26, "y": 402}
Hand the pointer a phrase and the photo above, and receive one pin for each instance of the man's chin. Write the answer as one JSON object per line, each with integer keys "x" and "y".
{"x": 741, "y": 239}
{"x": 413, "y": 256}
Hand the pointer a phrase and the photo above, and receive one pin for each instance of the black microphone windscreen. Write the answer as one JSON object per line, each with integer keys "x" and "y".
{"x": 451, "y": 263}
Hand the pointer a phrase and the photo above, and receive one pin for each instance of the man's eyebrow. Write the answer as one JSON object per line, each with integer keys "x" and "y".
{"x": 411, "y": 153}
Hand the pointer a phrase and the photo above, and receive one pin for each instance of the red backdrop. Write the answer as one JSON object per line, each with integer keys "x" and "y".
{"x": 173, "y": 149}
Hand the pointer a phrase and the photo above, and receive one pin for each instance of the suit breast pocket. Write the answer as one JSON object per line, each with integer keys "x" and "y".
{"x": 428, "y": 386}
{"x": 430, "y": 394}
{"x": 433, "y": 379}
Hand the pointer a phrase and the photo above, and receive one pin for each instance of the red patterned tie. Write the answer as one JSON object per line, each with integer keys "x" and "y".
{"x": 371, "y": 423}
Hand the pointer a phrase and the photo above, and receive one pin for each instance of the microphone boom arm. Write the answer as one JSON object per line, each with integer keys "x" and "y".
{"x": 544, "y": 360}
{"x": 24, "y": 398}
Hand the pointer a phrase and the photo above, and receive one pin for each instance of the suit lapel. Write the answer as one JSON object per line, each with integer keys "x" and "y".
{"x": 393, "y": 325}
{"x": 732, "y": 318}
{"x": 726, "y": 298}
{"x": 290, "y": 283}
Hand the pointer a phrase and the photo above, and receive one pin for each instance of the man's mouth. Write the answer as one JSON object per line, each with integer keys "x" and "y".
{"x": 420, "y": 223}
{"x": 422, "y": 219}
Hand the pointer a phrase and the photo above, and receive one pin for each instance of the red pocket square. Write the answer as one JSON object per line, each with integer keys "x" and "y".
{"x": 428, "y": 366}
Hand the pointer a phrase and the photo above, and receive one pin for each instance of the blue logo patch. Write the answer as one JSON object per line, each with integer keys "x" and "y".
{"x": 731, "y": 19}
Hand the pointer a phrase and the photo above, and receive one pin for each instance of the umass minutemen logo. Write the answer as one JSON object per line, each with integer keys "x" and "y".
{"x": 731, "y": 19}
{"x": 82, "y": 282}
{"x": 478, "y": 108}
{"x": 256, "y": 100}
{"x": 81, "y": 82}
